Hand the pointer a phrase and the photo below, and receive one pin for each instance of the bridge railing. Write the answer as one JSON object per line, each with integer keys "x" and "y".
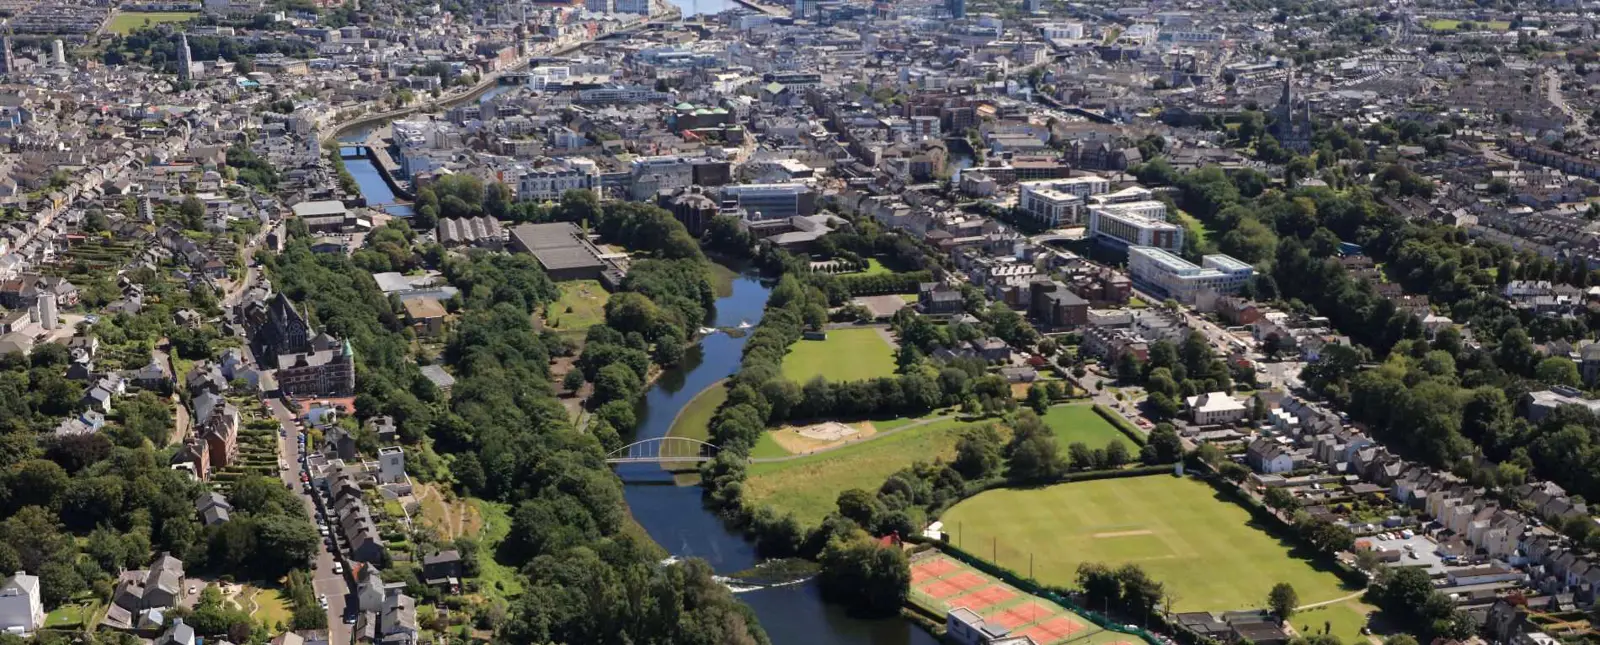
{"x": 663, "y": 450}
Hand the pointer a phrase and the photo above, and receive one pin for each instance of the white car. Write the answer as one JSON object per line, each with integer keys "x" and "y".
{"x": 338, "y": 567}
{"x": 193, "y": 589}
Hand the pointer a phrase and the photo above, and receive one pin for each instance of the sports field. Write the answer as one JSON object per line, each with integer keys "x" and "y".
{"x": 1079, "y": 423}
{"x": 1204, "y": 548}
{"x": 941, "y": 583}
{"x": 125, "y": 22}
{"x": 847, "y": 355}
{"x": 810, "y": 486}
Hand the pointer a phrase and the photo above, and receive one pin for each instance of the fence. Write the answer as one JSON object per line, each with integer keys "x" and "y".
{"x": 1056, "y": 595}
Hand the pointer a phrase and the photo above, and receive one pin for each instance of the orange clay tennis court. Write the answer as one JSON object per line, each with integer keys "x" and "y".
{"x": 941, "y": 583}
{"x": 984, "y": 598}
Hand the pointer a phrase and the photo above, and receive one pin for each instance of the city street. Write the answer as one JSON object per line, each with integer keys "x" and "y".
{"x": 324, "y": 580}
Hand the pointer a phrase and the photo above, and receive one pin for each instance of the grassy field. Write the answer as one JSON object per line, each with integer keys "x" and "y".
{"x": 70, "y": 615}
{"x": 1195, "y": 227}
{"x": 810, "y": 486}
{"x": 847, "y": 355}
{"x": 694, "y": 420}
{"x": 767, "y": 448}
{"x": 124, "y": 22}
{"x": 1074, "y": 423}
{"x": 271, "y": 608}
{"x": 496, "y": 580}
{"x": 874, "y": 267}
{"x": 582, "y": 305}
{"x": 1447, "y": 24}
{"x": 1206, "y": 549}
{"x": 1343, "y": 619}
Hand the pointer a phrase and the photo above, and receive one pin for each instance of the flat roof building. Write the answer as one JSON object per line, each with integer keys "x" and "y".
{"x": 1179, "y": 279}
{"x": 1137, "y": 223}
{"x": 561, "y": 248}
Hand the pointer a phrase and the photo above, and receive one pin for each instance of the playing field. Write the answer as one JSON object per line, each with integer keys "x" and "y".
{"x": 582, "y": 305}
{"x": 125, "y": 22}
{"x": 810, "y": 486}
{"x": 941, "y": 583}
{"x": 1079, "y": 423}
{"x": 847, "y": 355}
{"x": 1205, "y": 548}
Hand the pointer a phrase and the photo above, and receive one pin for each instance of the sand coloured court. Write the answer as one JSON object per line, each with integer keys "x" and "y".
{"x": 940, "y": 583}
{"x": 1206, "y": 549}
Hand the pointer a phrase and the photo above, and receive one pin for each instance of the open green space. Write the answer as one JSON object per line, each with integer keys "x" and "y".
{"x": 582, "y": 305}
{"x": 847, "y": 355}
{"x": 1343, "y": 619}
{"x": 1079, "y": 423}
{"x": 1450, "y": 24}
{"x": 810, "y": 486}
{"x": 694, "y": 420}
{"x": 74, "y": 614}
{"x": 1202, "y": 234}
{"x": 271, "y": 608}
{"x": 495, "y": 579}
{"x": 767, "y": 448}
{"x": 1208, "y": 550}
{"x": 125, "y": 22}
{"x": 874, "y": 267}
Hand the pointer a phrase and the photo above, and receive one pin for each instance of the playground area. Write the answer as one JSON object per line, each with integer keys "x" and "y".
{"x": 941, "y": 584}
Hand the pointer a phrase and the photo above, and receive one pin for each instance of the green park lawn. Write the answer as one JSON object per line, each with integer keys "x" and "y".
{"x": 847, "y": 355}
{"x": 694, "y": 420}
{"x": 582, "y": 305}
{"x": 124, "y": 22}
{"x": 874, "y": 267}
{"x": 1206, "y": 549}
{"x": 810, "y": 486}
{"x": 1079, "y": 422}
{"x": 71, "y": 615}
{"x": 271, "y": 607}
{"x": 1447, "y": 24}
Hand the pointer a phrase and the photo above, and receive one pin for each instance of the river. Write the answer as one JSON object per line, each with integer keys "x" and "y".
{"x": 676, "y": 519}
{"x": 673, "y": 515}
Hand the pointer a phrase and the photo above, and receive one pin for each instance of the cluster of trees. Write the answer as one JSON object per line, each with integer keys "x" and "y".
{"x": 267, "y": 536}
{"x": 1175, "y": 372}
{"x": 303, "y": 597}
{"x": 1406, "y": 594}
{"x": 79, "y": 529}
{"x": 868, "y": 578}
{"x": 507, "y": 438}
{"x": 212, "y": 618}
{"x": 250, "y": 169}
{"x": 1127, "y": 589}
{"x": 997, "y": 320}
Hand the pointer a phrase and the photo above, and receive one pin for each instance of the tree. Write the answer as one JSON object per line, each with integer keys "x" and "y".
{"x": 869, "y": 579}
{"x": 1280, "y": 498}
{"x": 1038, "y": 398}
{"x": 1116, "y": 453}
{"x": 1035, "y": 458}
{"x": 1283, "y": 600}
{"x": 1558, "y": 370}
{"x": 193, "y": 213}
{"x": 978, "y": 453}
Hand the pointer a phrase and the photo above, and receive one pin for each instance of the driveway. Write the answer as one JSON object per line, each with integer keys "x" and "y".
{"x": 324, "y": 581}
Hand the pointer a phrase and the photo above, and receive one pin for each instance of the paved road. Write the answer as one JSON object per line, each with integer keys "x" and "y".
{"x": 323, "y": 578}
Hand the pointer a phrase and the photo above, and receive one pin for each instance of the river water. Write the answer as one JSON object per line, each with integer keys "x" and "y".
{"x": 676, "y": 519}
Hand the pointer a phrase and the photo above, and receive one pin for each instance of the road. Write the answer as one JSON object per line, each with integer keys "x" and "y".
{"x": 1552, "y": 82}
{"x": 324, "y": 580}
